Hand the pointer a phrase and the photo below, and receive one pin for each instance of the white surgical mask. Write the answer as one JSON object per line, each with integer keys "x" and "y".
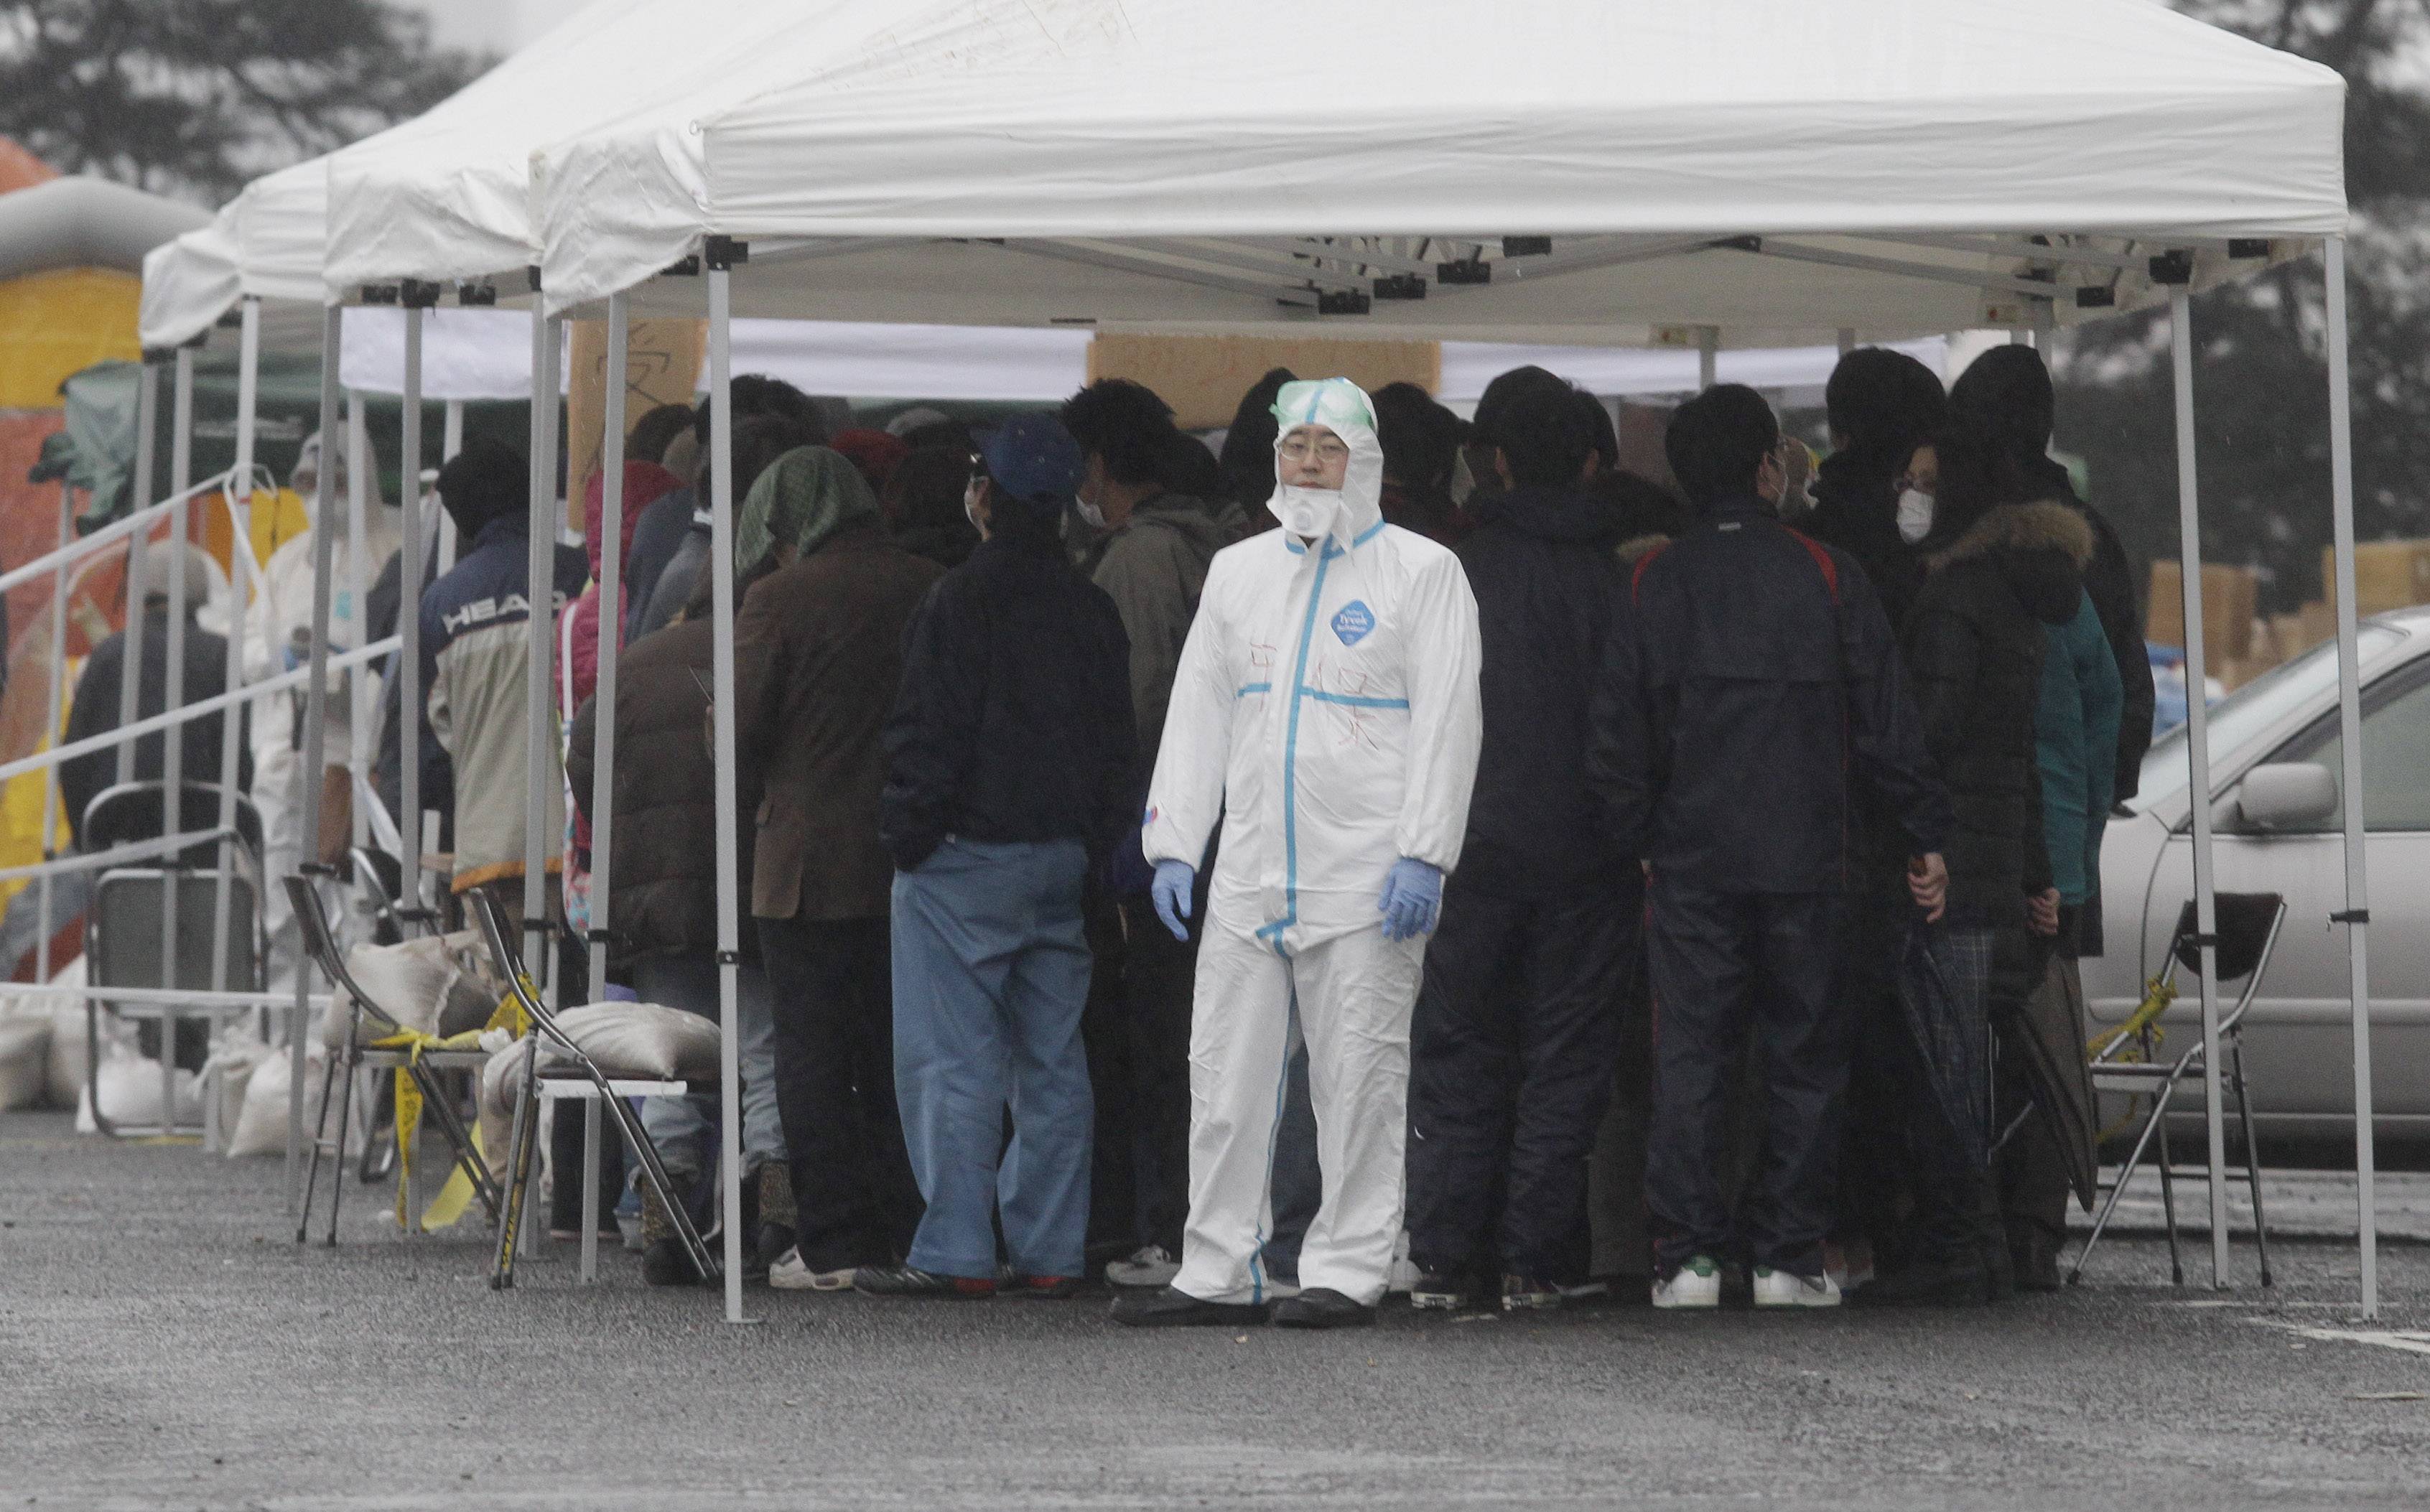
{"x": 971, "y": 506}
{"x": 1306, "y": 513}
{"x": 1095, "y": 516}
{"x": 1914, "y": 515}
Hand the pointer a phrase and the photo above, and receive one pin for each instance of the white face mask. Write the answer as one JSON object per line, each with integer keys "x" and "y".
{"x": 1095, "y": 516}
{"x": 971, "y": 507}
{"x": 1308, "y": 512}
{"x": 1914, "y": 515}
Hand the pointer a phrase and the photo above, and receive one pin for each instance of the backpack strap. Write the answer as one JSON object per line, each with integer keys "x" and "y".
{"x": 1823, "y": 562}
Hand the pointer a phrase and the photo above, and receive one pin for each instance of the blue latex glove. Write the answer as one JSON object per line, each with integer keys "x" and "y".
{"x": 1413, "y": 897}
{"x": 1174, "y": 881}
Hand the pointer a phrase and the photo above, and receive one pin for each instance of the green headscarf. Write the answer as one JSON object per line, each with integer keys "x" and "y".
{"x": 804, "y": 496}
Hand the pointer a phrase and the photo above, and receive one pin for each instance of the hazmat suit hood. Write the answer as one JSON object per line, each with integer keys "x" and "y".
{"x": 1346, "y": 514}
{"x": 304, "y": 480}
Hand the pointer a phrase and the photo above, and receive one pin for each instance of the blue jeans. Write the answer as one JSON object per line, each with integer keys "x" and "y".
{"x": 990, "y": 974}
{"x": 685, "y": 1128}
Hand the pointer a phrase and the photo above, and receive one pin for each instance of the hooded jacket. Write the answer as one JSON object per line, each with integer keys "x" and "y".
{"x": 2109, "y": 578}
{"x": 1750, "y": 677}
{"x": 1154, "y": 568}
{"x": 1856, "y": 509}
{"x": 1974, "y": 660}
{"x": 646, "y": 483}
{"x": 1545, "y": 567}
{"x": 663, "y": 895}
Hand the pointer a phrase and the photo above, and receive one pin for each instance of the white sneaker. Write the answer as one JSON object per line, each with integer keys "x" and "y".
{"x": 1150, "y": 1265}
{"x": 790, "y": 1274}
{"x": 1696, "y": 1284}
{"x": 1787, "y": 1288}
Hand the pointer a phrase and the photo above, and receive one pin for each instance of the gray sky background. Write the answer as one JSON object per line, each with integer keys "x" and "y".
{"x": 500, "y": 25}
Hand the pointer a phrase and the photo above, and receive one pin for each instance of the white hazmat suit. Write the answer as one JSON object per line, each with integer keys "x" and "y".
{"x": 277, "y": 635}
{"x": 1326, "y": 709}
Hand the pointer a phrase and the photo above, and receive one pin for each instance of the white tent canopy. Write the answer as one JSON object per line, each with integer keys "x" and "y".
{"x": 1168, "y": 162}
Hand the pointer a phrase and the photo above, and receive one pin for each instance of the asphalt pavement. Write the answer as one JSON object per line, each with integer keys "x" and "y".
{"x": 163, "y": 1345}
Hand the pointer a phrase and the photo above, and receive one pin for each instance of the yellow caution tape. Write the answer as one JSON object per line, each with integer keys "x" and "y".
{"x": 449, "y": 1204}
{"x": 2158, "y": 995}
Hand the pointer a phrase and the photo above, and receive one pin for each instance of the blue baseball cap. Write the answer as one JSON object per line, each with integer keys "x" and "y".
{"x": 1033, "y": 459}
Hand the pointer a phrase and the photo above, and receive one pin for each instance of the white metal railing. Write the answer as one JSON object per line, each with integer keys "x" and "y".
{"x": 115, "y": 531}
{"x": 134, "y": 851}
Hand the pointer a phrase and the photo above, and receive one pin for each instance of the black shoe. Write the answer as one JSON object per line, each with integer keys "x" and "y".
{"x": 2035, "y": 1257}
{"x": 911, "y": 1281}
{"x": 665, "y": 1264}
{"x": 1167, "y": 1309}
{"x": 775, "y": 1240}
{"x": 1928, "y": 1283}
{"x": 1529, "y": 1294}
{"x": 1322, "y": 1307}
{"x": 1441, "y": 1291}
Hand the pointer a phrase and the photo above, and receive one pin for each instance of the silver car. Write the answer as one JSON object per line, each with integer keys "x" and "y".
{"x": 2278, "y": 811}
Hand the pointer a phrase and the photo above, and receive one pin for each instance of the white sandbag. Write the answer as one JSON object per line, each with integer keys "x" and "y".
{"x": 644, "y": 1040}
{"x": 130, "y": 1090}
{"x": 64, "y": 1077}
{"x": 432, "y": 983}
{"x": 233, "y": 1064}
{"x": 261, "y": 1122}
{"x": 25, "y": 1060}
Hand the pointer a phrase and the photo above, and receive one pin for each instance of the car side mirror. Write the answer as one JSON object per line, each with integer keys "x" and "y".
{"x": 2288, "y": 796}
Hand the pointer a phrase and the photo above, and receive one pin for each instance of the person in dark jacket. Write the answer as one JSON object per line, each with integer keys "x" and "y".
{"x": 676, "y": 524}
{"x": 1422, "y": 441}
{"x": 922, "y": 505}
{"x": 1152, "y": 562}
{"x": 1750, "y": 682}
{"x": 1248, "y": 454}
{"x": 818, "y": 661}
{"x": 1012, "y": 760}
{"x": 1998, "y": 573}
{"x": 662, "y": 915}
{"x": 1518, "y": 1022}
{"x": 2007, "y": 394}
{"x": 757, "y": 442}
{"x": 102, "y": 683}
{"x": 1880, "y": 405}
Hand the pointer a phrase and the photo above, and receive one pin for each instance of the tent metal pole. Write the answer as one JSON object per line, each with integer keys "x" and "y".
{"x": 451, "y": 441}
{"x": 2181, "y": 352}
{"x": 1709, "y": 356}
{"x": 539, "y": 592}
{"x": 147, "y": 420}
{"x": 316, "y": 714}
{"x": 232, "y": 730}
{"x": 58, "y": 706}
{"x": 729, "y": 904}
{"x": 612, "y": 635}
{"x": 408, "y": 621}
{"x": 358, "y": 712}
{"x": 2356, "y": 917}
{"x": 173, "y": 751}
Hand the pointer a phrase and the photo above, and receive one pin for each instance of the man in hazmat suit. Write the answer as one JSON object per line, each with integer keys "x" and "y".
{"x": 278, "y": 638}
{"x": 1326, "y": 708}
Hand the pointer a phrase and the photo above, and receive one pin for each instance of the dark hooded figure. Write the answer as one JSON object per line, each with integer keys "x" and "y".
{"x": 1248, "y": 454}
{"x": 1997, "y": 572}
{"x": 2005, "y": 395}
{"x": 1881, "y": 405}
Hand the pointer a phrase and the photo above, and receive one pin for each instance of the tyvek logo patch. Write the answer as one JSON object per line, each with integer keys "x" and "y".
{"x": 1354, "y": 622}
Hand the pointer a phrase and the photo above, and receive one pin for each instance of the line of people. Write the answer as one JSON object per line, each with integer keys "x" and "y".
{"x": 1449, "y": 831}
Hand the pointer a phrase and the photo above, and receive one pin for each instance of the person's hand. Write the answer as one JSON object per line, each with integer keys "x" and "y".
{"x": 1174, "y": 881}
{"x": 1413, "y": 897}
{"x": 2041, "y": 911}
{"x": 1927, "y": 882}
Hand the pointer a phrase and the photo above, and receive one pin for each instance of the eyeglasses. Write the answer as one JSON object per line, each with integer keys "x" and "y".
{"x": 1324, "y": 449}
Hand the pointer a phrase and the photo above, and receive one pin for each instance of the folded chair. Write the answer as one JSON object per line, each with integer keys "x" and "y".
{"x": 424, "y": 1070}
{"x": 2125, "y": 1059}
{"x": 603, "y": 1087}
{"x": 128, "y": 915}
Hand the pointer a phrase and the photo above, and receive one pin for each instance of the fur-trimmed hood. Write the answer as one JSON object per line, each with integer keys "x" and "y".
{"x": 2047, "y": 524}
{"x": 2040, "y": 550}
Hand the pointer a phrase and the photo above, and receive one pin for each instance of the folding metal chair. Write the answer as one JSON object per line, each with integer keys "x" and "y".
{"x": 602, "y": 1088}
{"x": 125, "y": 924}
{"x": 320, "y": 945}
{"x": 2248, "y": 933}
